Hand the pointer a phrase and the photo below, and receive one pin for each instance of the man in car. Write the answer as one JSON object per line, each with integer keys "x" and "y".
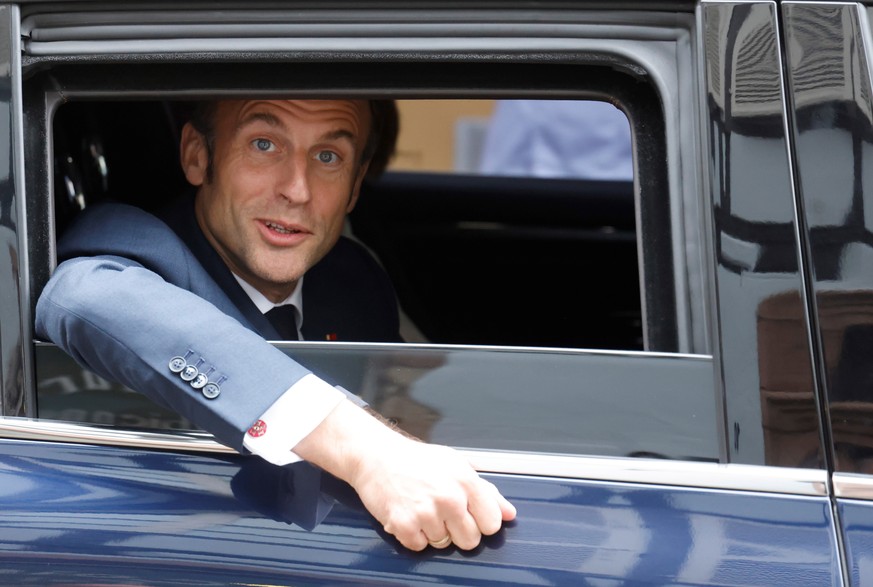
{"x": 135, "y": 300}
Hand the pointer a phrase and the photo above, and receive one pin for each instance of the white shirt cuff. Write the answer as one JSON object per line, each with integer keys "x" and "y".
{"x": 292, "y": 417}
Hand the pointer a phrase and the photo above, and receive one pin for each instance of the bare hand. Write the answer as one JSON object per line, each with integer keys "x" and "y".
{"x": 421, "y": 493}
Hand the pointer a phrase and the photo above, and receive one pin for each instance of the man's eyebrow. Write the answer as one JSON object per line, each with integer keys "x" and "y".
{"x": 339, "y": 134}
{"x": 263, "y": 117}
{"x": 275, "y": 121}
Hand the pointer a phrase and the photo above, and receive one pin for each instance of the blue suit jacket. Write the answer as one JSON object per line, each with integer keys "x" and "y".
{"x": 132, "y": 292}
{"x": 346, "y": 296}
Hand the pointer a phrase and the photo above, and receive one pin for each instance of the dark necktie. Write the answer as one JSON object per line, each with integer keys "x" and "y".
{"x": 284, "y": 321}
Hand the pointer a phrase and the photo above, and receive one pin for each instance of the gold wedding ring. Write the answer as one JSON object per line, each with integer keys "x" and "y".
{"x": 442, "y": 543}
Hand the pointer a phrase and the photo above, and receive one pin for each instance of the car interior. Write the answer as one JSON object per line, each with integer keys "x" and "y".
{"x": 538, "y": 262}
{"x": 480, "y": 260}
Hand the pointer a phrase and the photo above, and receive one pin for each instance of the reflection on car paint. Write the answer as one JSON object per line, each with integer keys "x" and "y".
{"x": 189, "y": 517}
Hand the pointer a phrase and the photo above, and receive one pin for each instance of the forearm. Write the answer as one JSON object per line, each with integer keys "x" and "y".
{"x": 392, "y": 424}
{"x": 347, "y": 436}
{"x": 126, "y": 324}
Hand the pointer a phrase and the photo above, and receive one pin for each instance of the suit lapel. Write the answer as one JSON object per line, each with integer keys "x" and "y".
{"x": 180, "y": 217}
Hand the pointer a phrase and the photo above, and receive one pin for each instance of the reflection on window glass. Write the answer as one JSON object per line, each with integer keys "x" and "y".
{"x": 474, "y": 398}
{"x": 575, "y": 139}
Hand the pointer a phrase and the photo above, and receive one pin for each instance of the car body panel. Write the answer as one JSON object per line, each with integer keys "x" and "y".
{"x": 97, "y": 514}
{"x": 856, "y": 518}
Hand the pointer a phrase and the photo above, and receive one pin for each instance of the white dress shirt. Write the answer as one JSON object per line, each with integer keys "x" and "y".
{"x": 301, "y": 408}
{"x": 264, "y": 305}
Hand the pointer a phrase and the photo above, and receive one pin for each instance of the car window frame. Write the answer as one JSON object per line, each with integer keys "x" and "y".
{"x": 674, "y": 53}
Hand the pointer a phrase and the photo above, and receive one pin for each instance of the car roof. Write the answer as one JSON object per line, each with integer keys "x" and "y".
{"x": 681, "y": 5}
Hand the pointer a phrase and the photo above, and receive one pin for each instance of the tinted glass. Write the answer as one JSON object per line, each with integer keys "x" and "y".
{"x": 558, "y": 402}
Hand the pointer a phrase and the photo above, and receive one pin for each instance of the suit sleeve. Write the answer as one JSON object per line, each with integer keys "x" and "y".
{"x": 127, "y": 323}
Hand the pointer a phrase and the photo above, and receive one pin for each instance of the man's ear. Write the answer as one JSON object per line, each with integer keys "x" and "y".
{"x": 193, "y": 154}
{"x": 356, "y": 190}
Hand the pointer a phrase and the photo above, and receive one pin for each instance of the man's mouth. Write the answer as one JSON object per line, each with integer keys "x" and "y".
{"x": 282, "y": 229}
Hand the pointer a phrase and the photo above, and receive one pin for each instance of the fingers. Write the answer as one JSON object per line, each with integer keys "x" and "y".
{"x": 487, "y": 509}
{"x": 436, "y": 533}
{"x": 439, "y": 522}
{"x": 507, "y": 510}
{"x": 479, "y": 510}
{"x": 464, "y": 531}
{"x": 484, "y": 505}
{"x": 409, "y": 530}
{"x": 460, "y": 518}
{"x": 430, "y": 495}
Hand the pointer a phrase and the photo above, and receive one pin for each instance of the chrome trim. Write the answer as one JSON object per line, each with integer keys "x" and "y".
{"x": 733, "y": 477}
{"x": 54, "y": 431}
{"x": 853, "y": 486}
{"x": 810, "y": 482}
{"x": 467, "y": 347}
{"x": 496, "y": 348}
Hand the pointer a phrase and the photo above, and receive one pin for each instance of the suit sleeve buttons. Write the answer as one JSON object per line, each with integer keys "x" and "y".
{"x": 211, "y": 391}
{"x": 197, "y": 375}
{"x": 189, "y": 373}
{"x": 199, "y": 381}
{"x": 177, "y": 364}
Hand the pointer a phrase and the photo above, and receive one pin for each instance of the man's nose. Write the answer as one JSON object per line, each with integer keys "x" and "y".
{"x": 293, "y": 184}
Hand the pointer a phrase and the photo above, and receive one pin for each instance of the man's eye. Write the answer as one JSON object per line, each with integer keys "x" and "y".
{"x": 327, "y": 157}
{"x": 263, "y": 144}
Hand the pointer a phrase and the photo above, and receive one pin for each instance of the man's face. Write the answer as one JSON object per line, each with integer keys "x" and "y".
{"x": 285, "y": 174}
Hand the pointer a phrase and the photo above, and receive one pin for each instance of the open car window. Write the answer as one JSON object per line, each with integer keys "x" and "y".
{"x": 523, "y": 266}
{"x": 546, "y": 308}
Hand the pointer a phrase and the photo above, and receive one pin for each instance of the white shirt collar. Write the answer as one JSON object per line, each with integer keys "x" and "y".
{"x": 264, "y": 305}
